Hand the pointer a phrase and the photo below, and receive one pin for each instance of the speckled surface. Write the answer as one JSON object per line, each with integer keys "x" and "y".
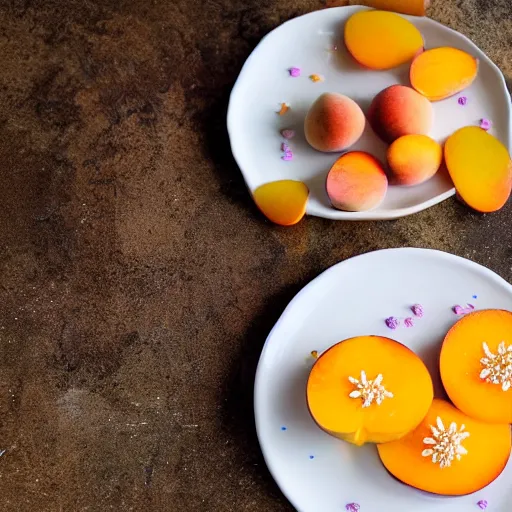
{"x": 138, "y": 281}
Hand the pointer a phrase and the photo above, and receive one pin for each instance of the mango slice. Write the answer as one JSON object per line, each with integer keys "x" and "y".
{"x": 442, "y": 72}
{"x": 382, "y": 40}
{"x": 341, "y": 383}
{"x": 412, "y": 7}
{"x": 470, "y": 375}
{"x": 423, "y": 458}
{"x": 283, "y": 202}
{"x": 480, "y": 167}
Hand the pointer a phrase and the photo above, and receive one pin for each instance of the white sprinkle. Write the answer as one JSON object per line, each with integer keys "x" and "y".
{"x": 497, "y": 368}
{"x": 369, "y": 390}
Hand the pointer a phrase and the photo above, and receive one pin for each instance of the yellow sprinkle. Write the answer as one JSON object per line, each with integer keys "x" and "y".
{"x": 284, "y": 109}
{"x": 316, "y": 78}
{"x": 314, "y": 354}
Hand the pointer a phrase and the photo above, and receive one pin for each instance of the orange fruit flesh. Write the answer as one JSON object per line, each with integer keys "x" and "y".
{"x": 488, "y": 448}
{"x": 460, "y": 365}
{"x": 413, "y": 7}
{"x": 329, "y": 387}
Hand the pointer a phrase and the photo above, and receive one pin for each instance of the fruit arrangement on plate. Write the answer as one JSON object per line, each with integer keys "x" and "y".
{"x": 372, "y": 389}
{"x": 402, "y": 116}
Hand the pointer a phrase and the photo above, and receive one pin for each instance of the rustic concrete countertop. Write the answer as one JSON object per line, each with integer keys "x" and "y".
{"x": 138, "y": 282}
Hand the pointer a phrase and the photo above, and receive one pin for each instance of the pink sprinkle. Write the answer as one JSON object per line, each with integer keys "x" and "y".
{"x": 392, "y": 322}
{"x": 459, "y": 310}
{"x": 287, "y": 156}
{"x": 288, "y": 134}
{"x": 285, "y": 147}
{"x": 295, "y": 72}
{"x": 482, "y": 504}
{"x": 409, "y": 322}
{"x": 417, "y": 310}
{"x": 485, "y": 124}
{"x": 462, "y": 100}
{"x": 352, "y": 507}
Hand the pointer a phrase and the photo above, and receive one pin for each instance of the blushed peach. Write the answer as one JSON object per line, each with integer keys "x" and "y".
{"x": 356, "y": 182}
{"x": 334, "y": 122}
{"x": 414, "y": 159}
{"x": 398, "y": 111}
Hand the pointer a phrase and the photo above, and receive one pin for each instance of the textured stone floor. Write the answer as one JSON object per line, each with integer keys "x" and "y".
{"x": 137, "y": 280}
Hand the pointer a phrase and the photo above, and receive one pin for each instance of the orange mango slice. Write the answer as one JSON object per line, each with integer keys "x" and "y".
{"x": 442, "y": 72}
{"x": 382, "y": 40}
{"x": 412, "y": 7}
{"x": 283, "y": 202}
{"x": 481, "y": 452}
{"x": 344, "y": 409}
{"x": 467, "y": 370}
{"x": 480, "y": 167}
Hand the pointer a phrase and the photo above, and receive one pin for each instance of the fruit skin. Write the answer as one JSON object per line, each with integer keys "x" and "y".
{"x": 334, "y": 123}
{"x": 399, "y": 110}
{"x": 356, "y": 182}
{"x": 480, "y": 167}
{"x": 442, "y": 72}
{"x": 460, "y": 365}
{"x": 412, "y": 7}
{"x": 413, "y": 159}
{"x": 381, "y": 40}
{"x": 488, "y": 448}
{"x": 328, "y": 390}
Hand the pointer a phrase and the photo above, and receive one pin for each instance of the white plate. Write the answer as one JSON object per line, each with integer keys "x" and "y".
{"x": 304, "y": 42}
{"x": 353, "y": 298}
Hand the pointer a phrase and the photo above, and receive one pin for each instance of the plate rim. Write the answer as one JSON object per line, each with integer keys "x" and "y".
{"x": 369, "y": 215}
{"x": 413, "y": 251}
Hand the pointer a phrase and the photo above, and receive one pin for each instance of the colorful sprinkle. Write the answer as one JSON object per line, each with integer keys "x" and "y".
{"x": 314, "y": 354}
{"x": 284, "y": 108}
{"x": 311, "y": 457}
{"x": 459, "y": 310}
{"x": 294, "y": 72}
{"x": 482, "y": 504}
{"x": 287, "y": 156}
{"x": 352, "y": 507}
{"x": 285, "y": 147}
{"x": 392, "y": 322}
{"x": 316, "y": 78}
{"x": 485, "y": 124}
{"x": 409, "y": 322}
{"x": 475, "y": 296}
{"x": 462, "y": 100}
{"x": 288, "y": 134}
{"x": 283, "y": 428}
{"x": 417, "y": 310}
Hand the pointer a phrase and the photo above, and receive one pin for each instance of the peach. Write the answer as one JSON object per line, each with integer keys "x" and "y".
{"x": 413, "y": 159}
{"x": 467, "y": 369}
{"x": 442, "y": 72}
{"x": 449, "y": 453}
{"x": 382, "y": 40}
{"x": 398, "y": 111}
{"x": 334, "y": 122}
{"x": 480, "y": 167}
{"x": 356, "y": 182}
{"x": 283, "y": 202}
{"x": 412, "y": 7}
{"x": 341, "y": 380}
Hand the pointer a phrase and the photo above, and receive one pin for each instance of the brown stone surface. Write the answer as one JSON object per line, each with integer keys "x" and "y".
{"x": 138, "y": 281}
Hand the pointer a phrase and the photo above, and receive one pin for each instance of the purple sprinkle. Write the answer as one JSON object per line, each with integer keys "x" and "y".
{"x": 288, "y": 134}
{"x": 485, "y": 124}
{"x": 285, "y": 147}
{"x": 287, "y": 156}
{"x": 462, "y": 100}
{"x": 409, "y": 322}
{"x": 352, "y": 507}
{"x": 482, "y": 504}
{"x": 459, "y": 310}
{"x": 392, "y": 322}
{"x": 417, "y": 310}
{"x": 295, "y": 72}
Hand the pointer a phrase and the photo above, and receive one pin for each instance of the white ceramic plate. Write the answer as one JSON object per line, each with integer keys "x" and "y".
{"x": 305, "y": 42}
{"x": 353, "y": 298}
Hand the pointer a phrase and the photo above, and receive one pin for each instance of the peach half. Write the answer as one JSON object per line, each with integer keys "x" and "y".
{"x": 412, "y": 7}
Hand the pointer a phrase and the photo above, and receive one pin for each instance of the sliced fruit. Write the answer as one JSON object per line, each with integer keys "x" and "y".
{"x": 480, "y": 167}
{"x": 382, "y": 40}
{"x": 442, "y": 72}
{"x": 283, "y": 202}
{"x": 369, "y": 389}
{"x": 413, "y": 7}
{"x": 356, "y": 182}
{"x": 448, "y": 453}
{"x": 476, "y": 365}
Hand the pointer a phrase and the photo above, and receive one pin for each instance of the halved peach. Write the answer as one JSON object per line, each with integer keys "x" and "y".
{"x": 448, "y": 453}
{"x": 369, "y": 389}
{"x": 412, "y": 7}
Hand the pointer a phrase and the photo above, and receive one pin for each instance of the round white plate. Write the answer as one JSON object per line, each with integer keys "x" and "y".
{"x": 306, "y": 42}
{"x": 315, "y": 471}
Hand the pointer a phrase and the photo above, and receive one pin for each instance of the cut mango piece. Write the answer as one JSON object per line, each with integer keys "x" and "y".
{"x": 369, "y": 389}
{"x": 382, "y": 40}
{"x": 412, "y": 7}
{"x": 476, "y": 365}
{"x": 443, "y": 72}
{"x": 480, "y": 167}
{"x": 283, "y": 202}
{"x": 448, "y": 453}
